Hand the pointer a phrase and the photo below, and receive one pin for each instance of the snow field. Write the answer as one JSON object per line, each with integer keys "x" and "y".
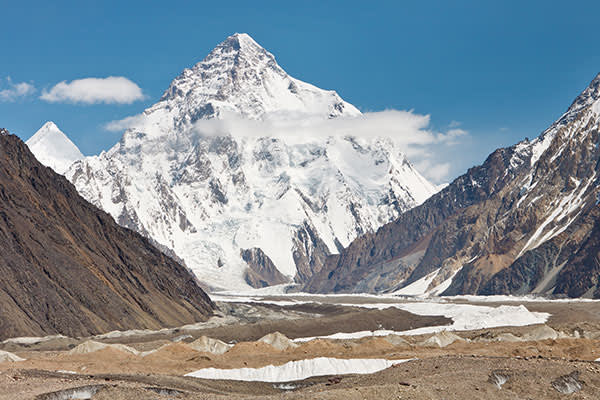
{"x": 298, "y": 370}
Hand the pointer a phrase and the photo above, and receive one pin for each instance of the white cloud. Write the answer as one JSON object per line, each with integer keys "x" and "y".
{"x": 16, "y": 91}
{"x": 111, "y": 90}
{"x": 405, "y": 127}
{"x": 121, "y": 125}
{"x": 436, "y": 172}
{"x": 425, "y": 148}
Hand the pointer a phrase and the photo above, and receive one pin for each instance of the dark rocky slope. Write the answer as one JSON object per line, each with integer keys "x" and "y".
{"x": 261, "y": 271}
{"x": 525, "y": 221}
{"x": 66, "y": 267}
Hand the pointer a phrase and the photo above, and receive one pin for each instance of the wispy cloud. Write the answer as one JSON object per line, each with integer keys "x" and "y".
{"x": 110, "y": 90}
{"x": 121, "y": 125}
{"x": 16, "y": 91}
{"x": 433, "y": 169}
{"x": 424, "y": 146}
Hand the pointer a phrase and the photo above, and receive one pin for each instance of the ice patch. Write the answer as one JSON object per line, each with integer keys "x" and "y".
{"x": 32, "y": 339}
{"x": 441, "y": 339}
{"x": 298, "y": 370}
{"x": 5, "y": 356}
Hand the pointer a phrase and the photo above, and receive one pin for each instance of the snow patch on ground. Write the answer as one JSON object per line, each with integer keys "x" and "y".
{"x": 464, "y": 317}
{"x": 420, "y": 286}
{"x": 298, "y": 370}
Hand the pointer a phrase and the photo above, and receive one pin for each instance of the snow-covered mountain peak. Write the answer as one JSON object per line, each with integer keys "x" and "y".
{"x": 49, "y": 126}
{"x": 241, "y": 43}
{"x": 242, "y": 78}
{"x": 249, "y": 204}
{"x": 590, "y": 97}
{"x": 53, "y": 148}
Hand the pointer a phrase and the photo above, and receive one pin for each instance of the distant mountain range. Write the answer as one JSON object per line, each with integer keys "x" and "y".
{"x": 525, "y": 221}
{"x": 205, "y": 174}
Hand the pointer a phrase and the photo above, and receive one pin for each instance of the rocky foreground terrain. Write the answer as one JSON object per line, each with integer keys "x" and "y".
{"x": 67, "y": 268}
{"x": 554, "y": 360}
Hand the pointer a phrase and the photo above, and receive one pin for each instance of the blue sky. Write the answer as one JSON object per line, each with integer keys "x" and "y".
{"x": 504, "y": 70}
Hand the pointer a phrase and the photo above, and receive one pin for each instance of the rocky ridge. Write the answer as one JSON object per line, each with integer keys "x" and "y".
{"x": 68, "y": 268}
{"x": 525, "y": 221}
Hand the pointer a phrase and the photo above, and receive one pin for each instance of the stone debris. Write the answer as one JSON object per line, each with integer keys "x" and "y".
{"x": 542, "y": 332}
{"x": 568, "y": 384}
{"x": 441, "y": 339}
{"x": 91, "y": 346}
{"x": 209, "y": 345}
{"x": 278, "y": 340}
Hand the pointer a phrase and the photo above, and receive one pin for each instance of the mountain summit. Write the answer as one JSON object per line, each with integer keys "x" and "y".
{"x": 241, "y": 77}
{"x": 53, "y": 148}
{"x": 249, "y": 209}
{"x": 238, "y": 79}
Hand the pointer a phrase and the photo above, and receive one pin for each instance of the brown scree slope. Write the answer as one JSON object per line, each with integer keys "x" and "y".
{"x": 66, "y": 267}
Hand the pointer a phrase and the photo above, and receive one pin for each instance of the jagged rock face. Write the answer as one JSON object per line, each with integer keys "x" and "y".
{"x": 526, "y": 221}
{"x": 261, "y": 271}
{"x": 66, "y": 267}
{"x": 210, "y": 196}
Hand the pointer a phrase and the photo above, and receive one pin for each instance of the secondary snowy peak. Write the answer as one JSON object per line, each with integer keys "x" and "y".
{"x": 242, "y": 78}
{"x": 53, "y": 148}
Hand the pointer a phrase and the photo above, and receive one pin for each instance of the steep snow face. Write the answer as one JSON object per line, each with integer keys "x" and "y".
{"x": 53, "y": 148}
{"x": 208, "y": 197}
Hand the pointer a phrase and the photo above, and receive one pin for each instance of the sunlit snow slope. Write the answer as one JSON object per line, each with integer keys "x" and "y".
{"x": 53, "y": 148}
{"x": 241, "y": 208}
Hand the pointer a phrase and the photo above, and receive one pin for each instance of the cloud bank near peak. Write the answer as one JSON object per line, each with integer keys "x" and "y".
{"x": 424, "y": 146}
{"x": 110, "y": 90}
